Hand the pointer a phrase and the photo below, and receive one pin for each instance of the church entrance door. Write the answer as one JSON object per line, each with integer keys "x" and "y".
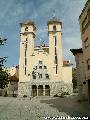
{"x": 40, "y": 90}
{"x": 47, "y": 90}
{"x": 34, "y": 90}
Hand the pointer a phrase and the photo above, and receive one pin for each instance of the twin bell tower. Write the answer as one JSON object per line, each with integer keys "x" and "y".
{"x": 41, "y": 66}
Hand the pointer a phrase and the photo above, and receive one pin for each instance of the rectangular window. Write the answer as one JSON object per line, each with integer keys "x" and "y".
{"x": 54, "y": 27}
{"x": 34, "y": 76}
{"x": 55, "y": 41}
{"x": 47, "y": 76}
{"x": 88, "y": 64}
{"x": 55, "y": 59}
{"x": 26, "y": 46}
{"x": 55, "y": 51}
{"x": 25, "y": 61}
{"x": 25, "y": 70}
{"x": 40, "y": 62}
{"x": 56, "y": 69}
{"x": 45, "y": 67}
{"x": 40, "y": 76}
{"x": 25, "y": 52}
{"x": 86, "y": 44}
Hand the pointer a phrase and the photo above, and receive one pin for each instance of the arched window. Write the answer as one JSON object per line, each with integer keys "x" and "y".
{"x": 40, "y": 67}
{"x": 54, "y": 27}
{"x": 40, "y": 62}
{"x": 45, "y": 67}
{"x": 47, "y": 76}
{"x": 26, "y": 28}
{"x": 34, "y": 74}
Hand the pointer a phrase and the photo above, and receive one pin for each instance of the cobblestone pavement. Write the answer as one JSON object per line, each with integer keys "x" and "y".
{"x": 38, "y": 108}
{"x": 70, "y": 105}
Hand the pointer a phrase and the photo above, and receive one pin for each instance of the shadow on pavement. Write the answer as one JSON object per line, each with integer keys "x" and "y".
{"x": 69, "y": 105}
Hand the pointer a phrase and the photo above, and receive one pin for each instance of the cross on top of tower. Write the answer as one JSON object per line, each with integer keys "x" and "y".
{"x": 54, "y": 19}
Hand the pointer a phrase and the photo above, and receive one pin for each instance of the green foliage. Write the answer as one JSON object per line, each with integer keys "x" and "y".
{"x": 2, "y": 60}
{"x": 56, "y": 95}
{"x": 2, "y": 41}
{"x": 62, "y": 94}
{"x": 3, "y": 78}
{"x": 65, "y": 93}
{"x": 3, "y": 73}
{"x": 74, "y": 80}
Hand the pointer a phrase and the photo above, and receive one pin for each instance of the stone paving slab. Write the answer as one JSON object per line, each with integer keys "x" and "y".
{"x": 38, "y": 107}
{"x": 26, "y": 109}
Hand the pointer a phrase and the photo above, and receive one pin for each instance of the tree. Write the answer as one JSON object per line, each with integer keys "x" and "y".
{"x": 3, "y": 73}
{"x": 3, "y": 78}
{"x": 2, "y": 60}
{"x": 74, "y": 80}
{"x": 2, "y": 41}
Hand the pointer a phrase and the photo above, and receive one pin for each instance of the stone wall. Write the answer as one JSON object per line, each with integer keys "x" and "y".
{"x": 24, "y": 88}
{"x": 12, "y": 89}
{"x": 57, "y": 87}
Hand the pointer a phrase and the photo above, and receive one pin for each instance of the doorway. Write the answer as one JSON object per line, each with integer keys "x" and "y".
{"x": 34, "y": 90}
{"x": 47, "y": 90}
{"x": 40, "y": 90}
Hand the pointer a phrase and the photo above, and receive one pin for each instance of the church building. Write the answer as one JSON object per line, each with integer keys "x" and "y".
{"x": 41, "y": 68}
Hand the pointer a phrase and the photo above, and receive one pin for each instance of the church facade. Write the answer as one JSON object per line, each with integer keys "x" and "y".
{"x": 41, "y": 69}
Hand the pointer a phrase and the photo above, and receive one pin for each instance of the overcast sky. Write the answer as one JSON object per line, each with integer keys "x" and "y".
{"x": 12, "y": 12}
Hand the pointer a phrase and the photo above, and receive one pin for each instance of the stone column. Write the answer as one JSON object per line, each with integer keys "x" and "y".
{"x": 30, "y": 90}
{"x": 43, "y": 90}
{"x": 37, "y": 90}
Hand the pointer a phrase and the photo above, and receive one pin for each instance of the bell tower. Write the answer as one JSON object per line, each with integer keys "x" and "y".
{"x": 27, "y": 35}
{"x": 55, "y": 44}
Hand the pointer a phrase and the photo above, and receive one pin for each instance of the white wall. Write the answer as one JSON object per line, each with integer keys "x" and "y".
{"x": 67, "y": 74}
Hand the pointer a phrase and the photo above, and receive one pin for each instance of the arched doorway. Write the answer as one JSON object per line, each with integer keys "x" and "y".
{"x": 40, "y": 90}
{"x": 34, "y": 90}
{"x": 47, "y": 90}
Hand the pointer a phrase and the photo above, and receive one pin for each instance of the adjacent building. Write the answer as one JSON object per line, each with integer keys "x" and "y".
{"x": 81, "y": 82}
{"x": 84, "y": 20}
{"x": 41, "y": 68}
{"x": 13, "y": 78}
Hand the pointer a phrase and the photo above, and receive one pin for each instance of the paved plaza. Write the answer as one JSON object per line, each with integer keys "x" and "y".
{"x": 39, "y": 107}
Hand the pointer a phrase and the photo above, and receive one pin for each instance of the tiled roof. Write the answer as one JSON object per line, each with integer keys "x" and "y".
{"x": 84, "y": 8}
{"x": 75, "y": 51}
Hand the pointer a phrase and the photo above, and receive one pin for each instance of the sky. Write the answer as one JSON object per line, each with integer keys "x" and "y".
{"x": 13, "y": 12}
